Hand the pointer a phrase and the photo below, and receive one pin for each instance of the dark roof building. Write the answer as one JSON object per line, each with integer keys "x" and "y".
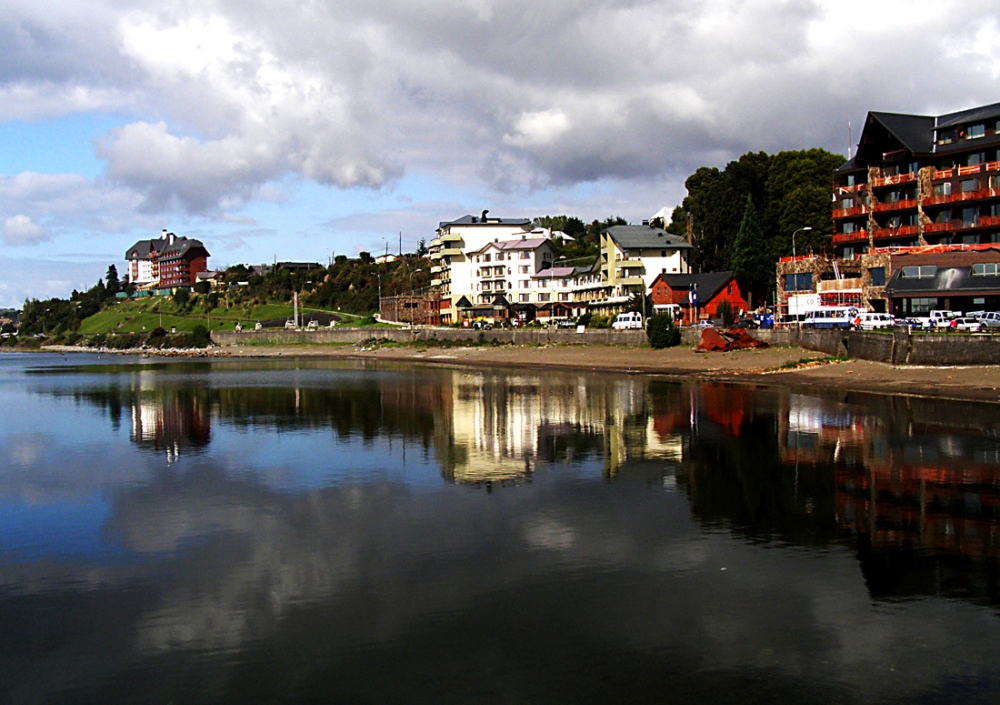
{"x": 920, "y": 180}
{"x": 167, "y": 261}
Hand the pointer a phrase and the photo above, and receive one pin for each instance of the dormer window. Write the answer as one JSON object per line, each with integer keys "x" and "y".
{"x": 976, "y": 131}
{"x": 985, "y": 269}
{"x": 946, "y": 136}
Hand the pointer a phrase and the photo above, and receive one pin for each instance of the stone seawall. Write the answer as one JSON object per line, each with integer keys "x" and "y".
{"x": 353, "y": 336}
{"x": 899, "y": 347}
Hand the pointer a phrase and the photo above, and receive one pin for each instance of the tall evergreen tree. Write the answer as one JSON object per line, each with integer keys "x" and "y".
{"x": 753, "y": 263}
{"x": 111, "y": 283}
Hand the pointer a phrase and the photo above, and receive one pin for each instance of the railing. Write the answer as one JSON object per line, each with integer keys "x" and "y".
{"x": 967, "y": 170}
{"x": 962, "y": 196}
{"x": 850, "y": 212}
{"x": 860, "y": 235}
{"x": 856, "y": 188}
{"x": 993, "y": 166}
{"x": 901, "y": 231}
{"x": 943, "y": 173}
{"x": 939, "y": 227}
{"x": 989, "y": 221}
{"x": 894, "y": 180}
{"x": 896, "y": 205}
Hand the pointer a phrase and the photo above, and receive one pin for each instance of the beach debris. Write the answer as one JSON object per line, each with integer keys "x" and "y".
{"x": 714, "y": 340}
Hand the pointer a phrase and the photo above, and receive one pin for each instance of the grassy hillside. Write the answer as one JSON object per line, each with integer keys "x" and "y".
{"x": 143, "y": 315}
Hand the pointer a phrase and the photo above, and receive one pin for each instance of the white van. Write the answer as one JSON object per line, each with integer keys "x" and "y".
{"x": 631, "y": 320}
{"x": 874, "y": 321}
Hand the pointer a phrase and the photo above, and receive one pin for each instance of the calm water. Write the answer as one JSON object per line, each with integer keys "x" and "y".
{"x": 302, "y": 531}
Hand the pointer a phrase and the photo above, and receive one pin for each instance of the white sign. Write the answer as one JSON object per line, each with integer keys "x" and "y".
{"x": 799, "y": 304}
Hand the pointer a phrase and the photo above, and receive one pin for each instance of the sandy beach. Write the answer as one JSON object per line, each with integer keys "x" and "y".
{"x": 771, "y": 366}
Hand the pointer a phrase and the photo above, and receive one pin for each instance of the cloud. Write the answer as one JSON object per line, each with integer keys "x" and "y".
{"x": 19, "y": 230}
{"x": 499, "y": 100}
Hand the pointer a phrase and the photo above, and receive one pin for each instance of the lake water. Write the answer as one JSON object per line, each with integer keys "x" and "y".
{"x": 308, "y": 531}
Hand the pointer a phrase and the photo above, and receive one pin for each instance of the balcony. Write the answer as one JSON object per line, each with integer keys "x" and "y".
{"x": 856, "y": 188}
{"x": 969, "y": 170}
{"x": 894, "y": 180}
{"x": 437, "y": 269}
{"x": 451, "y": 237}
{"x": 901, "y": 231}
{"x": 629, "y": 281}
{"x": 963, "y": 196}
{"x": 859, "y": 236}
{"x": 436, "y": 282}
{"x": 436, "y": 242}
{"x": 989, "y": 221}
{"x": 851, "y": 212}
{"x": 902, "y": 205}
{"x": 629, "y": 263}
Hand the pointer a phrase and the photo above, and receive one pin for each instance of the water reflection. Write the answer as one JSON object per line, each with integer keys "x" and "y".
{"x": 313, "y": 531}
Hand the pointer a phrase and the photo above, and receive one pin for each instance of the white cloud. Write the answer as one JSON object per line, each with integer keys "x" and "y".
{"x": 19, "y": 230}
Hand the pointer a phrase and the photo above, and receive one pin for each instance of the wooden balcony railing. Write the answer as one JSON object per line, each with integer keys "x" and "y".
{"x": 901, "y": 231}
{"x": 939, "y": 227}
{"x": 896, "y": 205}
{"x": 860, "y": 235}
{"x": 854, "y": 188}
{"x": 894, "y": 180}
{"x": 989, "y": 221}
{"x": 962, "y": 196}
{"x": 967, "y": 170}
{"x": 850, "y": 212}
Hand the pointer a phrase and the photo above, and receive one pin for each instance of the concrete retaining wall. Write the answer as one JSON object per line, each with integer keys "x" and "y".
{"x": 352, "y": 336}
{"x": 899, "y": 347}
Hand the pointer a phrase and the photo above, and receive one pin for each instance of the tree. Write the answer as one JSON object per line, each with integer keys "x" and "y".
{"x": 422, "y": 248}
{"x": 753, "y": 263}
{"x": 111, "y": 284}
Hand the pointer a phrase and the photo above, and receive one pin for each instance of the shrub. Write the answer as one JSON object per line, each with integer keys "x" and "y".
{"x": 200, "y": 337}
{"x": 600, "y": 322}
{"x": 98, "y": 341}
{"x": 73, "y": 338}
{"x": 662, "y": 332}
{"x": 725, "y": 312}
{"x": 124, "y": 342}
{"x": 585, "y": 319}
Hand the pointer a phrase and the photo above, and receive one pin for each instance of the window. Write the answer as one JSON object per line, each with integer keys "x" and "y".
{"x": 543, "y": 283}
{"x": 969, "y": 185}
{"x": 877, "y": 275}
{"x": 525, "y": 255}
{"x": 927, "y": 271}
{"x": 975, "y": 131}
{"x": 544, "y": 297}
{"x": 942, "y": 189}
{"x": 564, "y": 297}
{"x": 970, "y": 217}
{"x": 848, "y": 228}
{"x": 976, "y": 158}
{"x": 799, "y": 282}
{"x": 850, "y": 179}
{"x": 486, "y": 258}
{"x": 524, "y": 298}
{"x": 944, "y": 216}
{"x": 523, "y": 269}
{"x": 985, "y": 269}
{"x": 523, "y": 284}
{"x": 946, "y": 136}
{"x": 663, "y": 253}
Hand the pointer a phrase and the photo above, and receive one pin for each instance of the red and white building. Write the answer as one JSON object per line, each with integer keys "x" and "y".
{"x": 166, "y": 262}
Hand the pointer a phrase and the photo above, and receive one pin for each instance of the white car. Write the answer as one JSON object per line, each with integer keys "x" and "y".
{"x": 964, "y": 323}
{"x": 874, "y": 321}
{"x": 630, "y": 320}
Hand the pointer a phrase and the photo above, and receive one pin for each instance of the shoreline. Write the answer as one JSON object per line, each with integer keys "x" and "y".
{"x": 774, "y": 366}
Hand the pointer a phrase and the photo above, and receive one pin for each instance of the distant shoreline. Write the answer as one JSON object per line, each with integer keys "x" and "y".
{"x": 775, "y": 366}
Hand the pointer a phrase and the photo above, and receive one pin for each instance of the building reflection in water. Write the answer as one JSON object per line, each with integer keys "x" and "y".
{"x": 168, "y": 419}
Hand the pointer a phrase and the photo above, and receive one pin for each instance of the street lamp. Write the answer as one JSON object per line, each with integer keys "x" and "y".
{"x": 411, "y": 278}
{"x": 800, "y": 230}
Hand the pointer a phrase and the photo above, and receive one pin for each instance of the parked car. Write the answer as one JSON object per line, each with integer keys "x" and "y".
{"x": 630, "y": 320}
{"x": 874, "y": 321}
{"x": 938, "y": 319}
{"x": 965, "y": 323}
{"x": 990, "y": 319}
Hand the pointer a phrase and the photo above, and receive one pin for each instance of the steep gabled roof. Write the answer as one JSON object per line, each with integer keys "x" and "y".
{"x": 709, "y": 283}
{"x": 972, "y": 115}
{"x": 645, "y": 236}
{"x": 915, "y": 132}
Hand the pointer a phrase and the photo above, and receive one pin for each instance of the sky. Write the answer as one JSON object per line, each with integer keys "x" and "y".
{"x": 303, "y": 130}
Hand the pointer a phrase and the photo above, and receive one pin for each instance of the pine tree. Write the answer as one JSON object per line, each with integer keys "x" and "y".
{"x": 753, "y": 263}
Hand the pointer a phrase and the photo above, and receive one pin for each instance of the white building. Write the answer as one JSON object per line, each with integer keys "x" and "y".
{"x": 451, "y": 269}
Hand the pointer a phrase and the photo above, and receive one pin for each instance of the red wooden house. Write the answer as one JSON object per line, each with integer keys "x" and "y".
{"x": 701, "y": 292}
